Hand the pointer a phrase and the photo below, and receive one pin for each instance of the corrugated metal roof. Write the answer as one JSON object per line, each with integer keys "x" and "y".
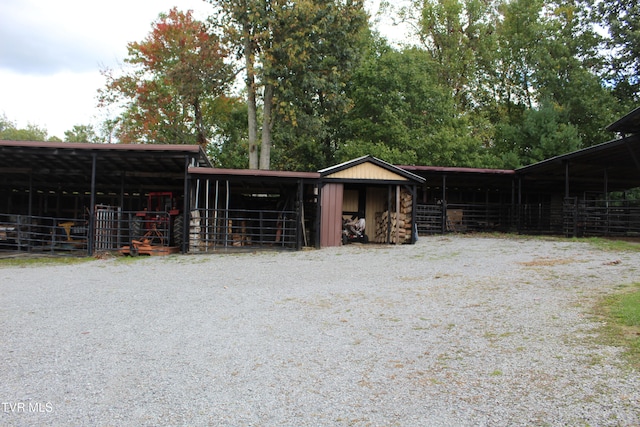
{"x": 461, "y": 170}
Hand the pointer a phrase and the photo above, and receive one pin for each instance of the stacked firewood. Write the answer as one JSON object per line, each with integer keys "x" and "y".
{"x": 396, "y": 226}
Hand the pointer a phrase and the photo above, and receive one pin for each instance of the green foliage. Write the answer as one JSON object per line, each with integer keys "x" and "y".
{"x": 300, "y": 54}
{"x": 9, "y": 132}
{"x": 81, "y": 133}
{"x": 622, "y": 20}
{"x": 229, "y": 144}
{"x": 403, "y": 114}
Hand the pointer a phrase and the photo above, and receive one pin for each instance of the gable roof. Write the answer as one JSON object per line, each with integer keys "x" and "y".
{"x": 368, "y": 168}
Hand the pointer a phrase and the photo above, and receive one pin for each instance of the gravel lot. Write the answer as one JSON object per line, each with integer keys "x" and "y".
{"x": 451, "y": 331}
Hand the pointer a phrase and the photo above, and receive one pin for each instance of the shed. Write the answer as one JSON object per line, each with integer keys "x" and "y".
{"x": 367, "y": 187}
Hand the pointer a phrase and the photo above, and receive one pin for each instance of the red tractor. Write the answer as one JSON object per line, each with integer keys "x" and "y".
{"x": 161, "y": 223}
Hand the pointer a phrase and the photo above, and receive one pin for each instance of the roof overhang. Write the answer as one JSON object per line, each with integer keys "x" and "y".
{"x": 628, "y": 124}
{"x": 464, "y": 177}
{"x": 49, "y": 166}
{"x": 615, "y": 164}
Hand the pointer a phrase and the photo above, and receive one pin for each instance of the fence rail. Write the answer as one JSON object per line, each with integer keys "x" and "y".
{"x": 457, "y": 217}
{"x": 618, "y": 218}
{"x": 211, "y": 229}
{"x": 43, "y": 234}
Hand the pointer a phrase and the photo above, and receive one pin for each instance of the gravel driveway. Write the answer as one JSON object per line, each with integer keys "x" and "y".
{"x": 451, "y": 331}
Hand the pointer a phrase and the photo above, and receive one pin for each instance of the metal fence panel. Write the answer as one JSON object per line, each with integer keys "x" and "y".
{"x": 43, "y": 234}
{"x": 211, "y": 229}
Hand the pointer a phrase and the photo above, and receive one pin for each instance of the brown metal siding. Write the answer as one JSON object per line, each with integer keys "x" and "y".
{"x": 331, "y": 215}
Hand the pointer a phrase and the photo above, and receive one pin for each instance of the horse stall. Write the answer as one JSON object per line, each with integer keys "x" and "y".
{"x": 241, "y": 208}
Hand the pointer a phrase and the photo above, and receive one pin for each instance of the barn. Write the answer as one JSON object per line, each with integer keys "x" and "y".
{"x": 158, "y": 199}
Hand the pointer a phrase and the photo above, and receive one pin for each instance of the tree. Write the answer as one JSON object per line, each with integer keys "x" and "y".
{"x": 10, "y": 132}
{"x": 402, "y": 113}
{"x": 173, "y": 76}
{"x": 622, "y": 20}
{"x": 81, "y": 133}
{"x": 297, "y": 55}
{"x": 229, "y": 144}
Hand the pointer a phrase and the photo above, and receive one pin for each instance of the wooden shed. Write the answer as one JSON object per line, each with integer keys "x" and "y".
{"x": 367, "y": 187}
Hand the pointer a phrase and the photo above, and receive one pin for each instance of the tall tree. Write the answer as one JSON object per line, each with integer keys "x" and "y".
{"x": 173, "y": 74}
{"x": 622, "y": 20}
{"x": 296, "y": 55}
{"x": 404, "y": 115}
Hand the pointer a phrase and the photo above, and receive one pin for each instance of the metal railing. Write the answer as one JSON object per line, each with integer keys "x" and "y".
{"x": 540, "y": 218}
{"x": 601, "y": 218}
{"x": 429, "y": 219}
{"x": 212, "y": 229}
{"x": 43, "y": 234}
{"x": 460, "y": 218}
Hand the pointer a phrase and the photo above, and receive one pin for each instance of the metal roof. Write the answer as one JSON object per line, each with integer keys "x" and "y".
{"x": 68, "y": 166}
{"x": 465, "y": 177}
{"x": 628, "y": 124}
{"x": 253, "y": 174}
{"x": 617, "y": 162}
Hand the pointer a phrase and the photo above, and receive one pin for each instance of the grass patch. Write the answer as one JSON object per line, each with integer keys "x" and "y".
{"x": 621, "y": 313}
{"x": 36, "y": 261}
{"x": 613, "y": 245}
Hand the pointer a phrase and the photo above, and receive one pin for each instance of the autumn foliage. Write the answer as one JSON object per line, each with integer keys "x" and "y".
{"x": 169, "y": 83}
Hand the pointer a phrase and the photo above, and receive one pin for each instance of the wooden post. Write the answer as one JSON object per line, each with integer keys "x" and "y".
{"x": 92, "y": 207}
{"x": 397, "y": 214}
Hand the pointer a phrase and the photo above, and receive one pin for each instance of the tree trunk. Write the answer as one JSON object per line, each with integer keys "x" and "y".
{"x": 251, "y": 99}
{"x": 201, "y": 137}
{"x": 265, "y": 148}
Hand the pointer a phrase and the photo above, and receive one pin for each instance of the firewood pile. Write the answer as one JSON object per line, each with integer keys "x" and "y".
{"x": 398, "y": 223}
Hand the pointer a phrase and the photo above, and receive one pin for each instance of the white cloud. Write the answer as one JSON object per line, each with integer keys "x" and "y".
{"x": 51, "y": 53}
{"x": 55, "y": 102}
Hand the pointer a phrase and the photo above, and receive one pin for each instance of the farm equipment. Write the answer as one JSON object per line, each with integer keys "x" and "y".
{"x": 157, "y": 230}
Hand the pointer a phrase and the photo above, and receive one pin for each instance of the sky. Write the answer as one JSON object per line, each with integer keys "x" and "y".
{"x": 51, "y": 54}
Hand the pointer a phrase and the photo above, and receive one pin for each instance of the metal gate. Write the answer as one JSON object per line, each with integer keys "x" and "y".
{"x": 107, "y": 228}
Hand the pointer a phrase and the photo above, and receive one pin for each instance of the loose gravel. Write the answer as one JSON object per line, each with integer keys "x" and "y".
{"x": 451, "y": 331}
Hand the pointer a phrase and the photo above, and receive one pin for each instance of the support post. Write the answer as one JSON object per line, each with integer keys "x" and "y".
{"x": 389, "y": 216}
{"x": 397, "y": 214}
{"x": 318, "y": 222}
{"x": 444, "y": 204}
{"x": 92, "y": 206}
{"x": 566, "y": 179}
{"x": 186, "y": 213}
{"x": 299, "y": 210}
